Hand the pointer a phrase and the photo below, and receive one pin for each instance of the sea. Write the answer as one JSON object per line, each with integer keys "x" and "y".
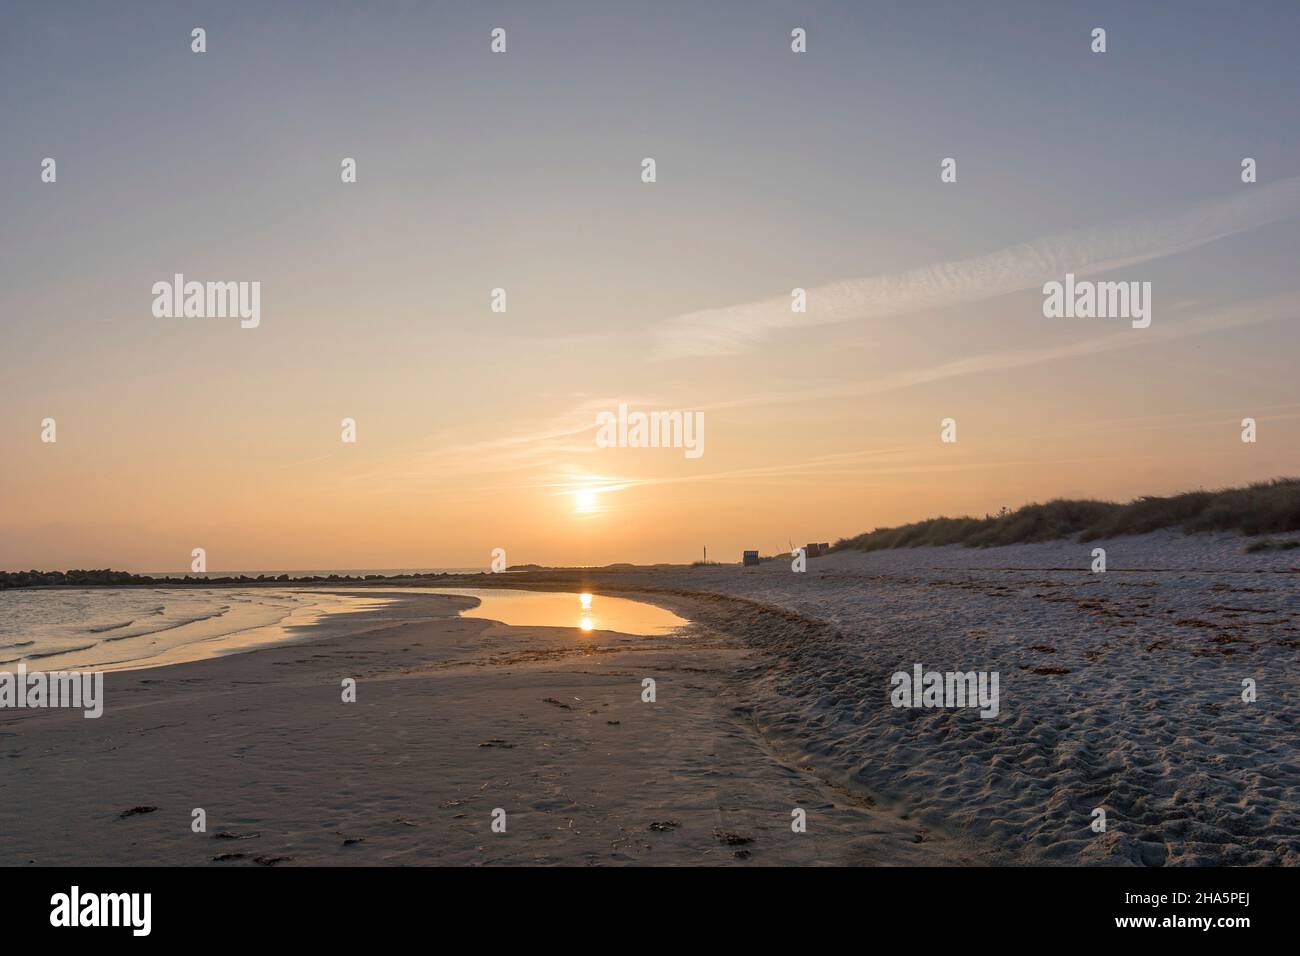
{"x": 118, "y": 628}
{"x": 121, "y": 628}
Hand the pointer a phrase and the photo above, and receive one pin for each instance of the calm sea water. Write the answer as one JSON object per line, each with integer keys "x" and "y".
{"x": 121, "y": 628}
{"x": 118, "y": 628}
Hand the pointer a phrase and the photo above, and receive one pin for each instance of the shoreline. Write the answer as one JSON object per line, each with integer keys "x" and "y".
{"x": 454, "y": 717}
{"x": 209, "y": 635}
{"x": 223, "y": 630}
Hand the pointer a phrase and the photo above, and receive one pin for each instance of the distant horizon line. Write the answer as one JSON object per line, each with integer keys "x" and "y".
{"x": 1281, "y": 495}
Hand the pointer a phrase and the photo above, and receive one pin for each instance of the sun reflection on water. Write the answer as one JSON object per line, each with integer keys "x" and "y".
{"x": 523, "y": 608}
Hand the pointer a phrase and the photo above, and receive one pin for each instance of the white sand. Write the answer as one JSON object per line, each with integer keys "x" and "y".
{"x": 1148, "y": 723}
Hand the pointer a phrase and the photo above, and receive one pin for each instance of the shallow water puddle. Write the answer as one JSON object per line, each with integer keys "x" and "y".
{"x": 587, "y": 612}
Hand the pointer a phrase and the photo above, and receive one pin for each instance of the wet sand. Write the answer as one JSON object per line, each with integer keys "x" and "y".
{"x": 453, "y": 719}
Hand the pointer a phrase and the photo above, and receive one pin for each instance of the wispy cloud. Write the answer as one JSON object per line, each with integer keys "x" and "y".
{"x": 733, "y": 329}
{"x": 555, "y": 446}
{"x": 1252, "y": 312}
{"x": 529, "y": 446}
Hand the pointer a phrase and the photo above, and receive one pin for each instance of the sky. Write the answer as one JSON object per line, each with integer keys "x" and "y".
{"x": 522, "y": 170}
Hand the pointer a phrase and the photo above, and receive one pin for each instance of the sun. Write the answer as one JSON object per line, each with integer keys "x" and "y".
{"x": 585, "y": 501}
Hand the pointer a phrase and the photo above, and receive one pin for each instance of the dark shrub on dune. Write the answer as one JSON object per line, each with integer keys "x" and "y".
{"x": 1269, "y": 507}
{"x": 1047, "y": 522}
{"x": 1148, "y": 514}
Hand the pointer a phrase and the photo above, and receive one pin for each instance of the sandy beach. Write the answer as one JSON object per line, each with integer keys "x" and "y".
{"x": 453, "y": 719}
{"x": 1119, "y": 690}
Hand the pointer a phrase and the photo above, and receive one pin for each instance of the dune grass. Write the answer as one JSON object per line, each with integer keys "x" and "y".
{"x": 1267, "y": 507}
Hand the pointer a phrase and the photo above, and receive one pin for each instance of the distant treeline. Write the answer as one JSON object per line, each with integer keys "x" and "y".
{"x": 1268, "y": 507}
{"x": 107, "y": 576}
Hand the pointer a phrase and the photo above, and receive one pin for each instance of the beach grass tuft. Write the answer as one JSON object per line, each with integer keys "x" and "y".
{"x": 1267, "y": 507}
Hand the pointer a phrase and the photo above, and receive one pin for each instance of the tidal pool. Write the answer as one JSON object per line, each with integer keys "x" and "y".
{"x": 587, "y": 612}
